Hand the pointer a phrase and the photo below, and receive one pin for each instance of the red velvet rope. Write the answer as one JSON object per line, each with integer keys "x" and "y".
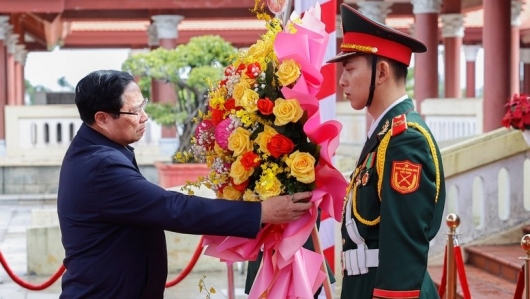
{"x": 189, "y": 267}
{"x": 60, "y": 271}
{"x": 459, "y": 261}
{"x": 520, "y": 285}
{"x": 27, "y": 285}
{"x": 461, "y": 272}
{"x": 443, "y": 281}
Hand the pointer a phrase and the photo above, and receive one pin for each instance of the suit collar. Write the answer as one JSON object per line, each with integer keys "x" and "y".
{"x": 94, "y": 137}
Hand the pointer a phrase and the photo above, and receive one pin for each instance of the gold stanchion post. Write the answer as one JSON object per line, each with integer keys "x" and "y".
{"x": 525, "y": 244}
{"x": 453, "y": 221}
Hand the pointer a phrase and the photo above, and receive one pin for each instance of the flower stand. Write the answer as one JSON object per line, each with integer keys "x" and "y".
{"x": 176, "y": 174}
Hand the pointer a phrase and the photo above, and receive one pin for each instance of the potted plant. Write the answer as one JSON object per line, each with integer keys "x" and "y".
{"x": 191, "y": 68}
{"x": 518, "y": 115}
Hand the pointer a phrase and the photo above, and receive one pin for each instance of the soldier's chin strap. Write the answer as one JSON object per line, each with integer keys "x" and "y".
{"x": 372, "y": 82}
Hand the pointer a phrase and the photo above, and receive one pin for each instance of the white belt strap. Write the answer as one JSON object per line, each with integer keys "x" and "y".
{"x": 357, "y": 261}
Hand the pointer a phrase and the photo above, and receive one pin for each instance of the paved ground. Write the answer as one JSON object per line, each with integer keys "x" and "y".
{"x": 15, "y": 216}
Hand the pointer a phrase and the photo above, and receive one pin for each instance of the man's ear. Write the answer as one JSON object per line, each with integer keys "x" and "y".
{"x": 383, "y": 71}
{"x": 101, "y": 118}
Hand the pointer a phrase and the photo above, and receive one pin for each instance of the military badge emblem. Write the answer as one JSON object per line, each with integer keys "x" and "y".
{"x": 405, "y": 176}
{"x": 384, "y": 129}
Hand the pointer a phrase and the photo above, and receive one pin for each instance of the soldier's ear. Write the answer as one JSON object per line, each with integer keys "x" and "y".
{"x": 383, "y": 71}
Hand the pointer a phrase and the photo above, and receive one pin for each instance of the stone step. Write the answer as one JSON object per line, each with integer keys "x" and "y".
{"x": 491, "y": 270}
{"x": 499, "y": 260}
{"x": 482, "y": 285}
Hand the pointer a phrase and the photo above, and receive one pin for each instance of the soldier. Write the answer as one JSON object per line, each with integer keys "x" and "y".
{"x": 396, "y": 196}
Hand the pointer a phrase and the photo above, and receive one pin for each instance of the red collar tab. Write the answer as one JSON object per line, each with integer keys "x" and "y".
{"x": 399, "y": 124}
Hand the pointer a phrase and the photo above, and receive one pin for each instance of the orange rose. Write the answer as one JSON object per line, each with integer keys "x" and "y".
{"x": 279, "y": 145}
{"x": 265, "y": 106}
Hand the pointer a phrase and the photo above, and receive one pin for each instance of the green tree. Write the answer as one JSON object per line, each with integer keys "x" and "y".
{"x": 65, "y": 84}
{"x": 31, "y": 90}
{"x": 191, "y": 68}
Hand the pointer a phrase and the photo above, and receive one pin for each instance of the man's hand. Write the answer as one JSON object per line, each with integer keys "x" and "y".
{"x": 285, "y": 208}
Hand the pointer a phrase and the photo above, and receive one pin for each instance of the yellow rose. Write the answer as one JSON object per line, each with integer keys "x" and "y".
{"x": 239, "y": 173}
{"x": 231, "y": 193}
{"x": 288, "y": 72}
{"x": 239, "y": 91}
{"x": 250, "y": 196}
{"x": 268, "y": 186}
{"x": 249, "y": 100}
{"x": 302, "y": 166}
{"x": 287, "y": 111}
{"x": 264, "y": 137}
{"x": 239, "y": 141}
{"x": 259, "y": 50}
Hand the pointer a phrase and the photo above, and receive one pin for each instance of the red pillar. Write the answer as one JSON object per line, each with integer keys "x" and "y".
{"x": 497, "y": 44}
{"x": 20, "y": 61}
{"x": 452, "y": 33}
{"x": 426, "y": 64}
{"x": 3, "y": 71}
{"x": 471, "y": 57}
{"x": 167, "y": 36}
{"x": 515, "y": 62}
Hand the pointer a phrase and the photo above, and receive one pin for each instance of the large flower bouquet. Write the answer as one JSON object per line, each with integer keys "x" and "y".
{"x": 518, "y": 114}
{"x": 261, "y": 137}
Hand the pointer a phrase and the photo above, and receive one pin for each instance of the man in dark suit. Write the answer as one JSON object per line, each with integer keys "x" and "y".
{"x": 113, "y": 220}
{"x": 397, "y": 192}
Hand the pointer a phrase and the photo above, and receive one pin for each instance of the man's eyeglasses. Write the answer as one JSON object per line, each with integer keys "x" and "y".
{"x": 136, "y": 112}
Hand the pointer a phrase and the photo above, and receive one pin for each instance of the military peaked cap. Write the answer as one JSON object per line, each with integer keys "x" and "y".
{"x": 362, "y": 35}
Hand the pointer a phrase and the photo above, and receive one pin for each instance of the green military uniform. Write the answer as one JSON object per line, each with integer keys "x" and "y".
{"x": 397, "y": 200}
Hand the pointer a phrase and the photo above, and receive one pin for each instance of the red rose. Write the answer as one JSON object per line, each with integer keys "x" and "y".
{"x": 279, "y": 145}
{"x": 239, "y": 187}
{"x": 230, "y": 104}
{"x": 240, "y": 68}
{"x": 265, "y": 106}
{"x": 253, "y": 70}
{"x": 250, "y": 160}
{"x": 217, "y": 116}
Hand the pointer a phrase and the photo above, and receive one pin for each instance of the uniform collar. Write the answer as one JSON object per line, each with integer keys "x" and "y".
{"x": 376, "y": 122}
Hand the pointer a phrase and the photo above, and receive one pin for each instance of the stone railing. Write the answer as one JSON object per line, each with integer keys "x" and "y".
{"x": 40, "y": 135}
{"x": 485, "y": 187}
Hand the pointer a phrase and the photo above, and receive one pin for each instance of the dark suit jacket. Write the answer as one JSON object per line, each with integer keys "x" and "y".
{"x": 113, "y": 220}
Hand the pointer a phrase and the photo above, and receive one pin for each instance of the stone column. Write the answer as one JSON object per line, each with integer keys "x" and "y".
{"x": 377, "y": 11}
{"x": 20, "y": 62}
{"x": 470, "y": 53}
{"x": 426, "y": 64}
{"x": 497, "y": 50}
{"x": 452, "y": 34}
{"x": 4, "y": 30}
{"x": 515, "y": 80}
{"x": 11, "y": 43}
{"x": 167, "y": 33}
{"x": 525, "y": 59}
{"x": 153, "y": 43}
